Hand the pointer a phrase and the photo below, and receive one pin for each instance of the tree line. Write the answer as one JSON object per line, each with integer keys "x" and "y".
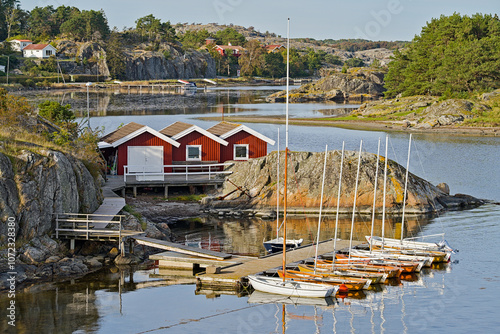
{"x": 453, "y": 56}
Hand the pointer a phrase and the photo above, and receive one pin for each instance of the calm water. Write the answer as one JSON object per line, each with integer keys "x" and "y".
{"x": 461, "y": 297}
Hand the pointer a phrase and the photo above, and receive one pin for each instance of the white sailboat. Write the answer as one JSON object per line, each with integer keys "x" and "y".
{"x": 407, "y": 243}
{"x": 284, "y": 286}
{"x": 276, "y": 245}
{"x": 289, "y": 287}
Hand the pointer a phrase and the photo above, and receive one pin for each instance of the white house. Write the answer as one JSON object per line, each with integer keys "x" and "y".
{"x": 20, "y": 44}
{"x": 39, "y": 51}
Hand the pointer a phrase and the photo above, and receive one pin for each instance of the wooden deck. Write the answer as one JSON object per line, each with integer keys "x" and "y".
{"x": 231, "y": 277}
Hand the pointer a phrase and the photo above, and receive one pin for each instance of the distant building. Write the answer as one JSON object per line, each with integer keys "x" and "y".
{"x": 274, "y": 48}
{"x": 230, "y": 50}
{"x": 210, "y": 40}
{"x": 19, "y": 44}
{"x": 2, "y": 68}
{"x": 39, "y": 51}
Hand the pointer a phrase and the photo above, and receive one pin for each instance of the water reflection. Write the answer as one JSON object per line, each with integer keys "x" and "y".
{"x": 245, "y": 236}
{"x": 157, "y": 101}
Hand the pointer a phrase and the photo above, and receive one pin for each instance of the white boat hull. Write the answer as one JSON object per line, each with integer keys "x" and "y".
{"x": 291, "y": 288}
{"x": 430, "y": 246}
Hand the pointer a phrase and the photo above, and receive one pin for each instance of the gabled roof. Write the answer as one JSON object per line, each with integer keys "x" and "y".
{"x": 130, "y": 131}
{"x": 226, "y": 130}
{"x": 175, "y": 128}
{"x": 181, "y": 129}
{"x": 273, "y": 47}
{"x": 118, "y": 134}
{"x": 37, "y": 46}
{"x": 222, "y": 128}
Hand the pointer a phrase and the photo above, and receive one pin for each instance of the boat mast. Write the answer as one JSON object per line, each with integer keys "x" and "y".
{"x": 278, "y": 189}
{"x": 286, "y": 145}
{"x": 404, "y": 195}
{"x": 338, "y": 206}
{"x": 355, "y": 197}
{"x": 385, "y": 184}
{"x": 320, "y": 209}
{"x": 375, "y": 193}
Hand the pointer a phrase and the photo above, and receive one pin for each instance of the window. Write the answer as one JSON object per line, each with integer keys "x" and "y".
{"x": 241, "y": 152}
{"x": 193, "y": 152}
{"x": 48, "y": 52}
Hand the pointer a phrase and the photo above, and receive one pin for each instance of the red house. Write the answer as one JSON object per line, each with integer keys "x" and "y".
{"x": 274, "y": 48}
{"x": 244, "y": 143}
{"x": 139, "y": 147}
{"x": 196, "y": 144}
{"x": 230, "y": 50}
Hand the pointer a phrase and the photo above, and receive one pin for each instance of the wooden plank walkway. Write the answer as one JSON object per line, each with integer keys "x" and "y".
{"x": 232, "y": 276}
{"x": 111, "y": 205}
{"x": 179, "y": 248}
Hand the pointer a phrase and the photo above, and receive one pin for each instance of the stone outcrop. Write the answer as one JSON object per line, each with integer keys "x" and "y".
{"x": 258, "y": 177}
{"x": 427, "y": 112}
{"x": 169, "y": 62}
{"x": 149, "y": 65}
{"x": 34, "y": 186}
{"x": 362, "y": 84}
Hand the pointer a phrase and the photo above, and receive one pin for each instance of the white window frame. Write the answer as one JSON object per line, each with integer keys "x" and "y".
{"x": 187, "y": 151}
{"x": 234, "y": 151}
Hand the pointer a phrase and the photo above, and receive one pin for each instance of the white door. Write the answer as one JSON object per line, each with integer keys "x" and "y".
{"x": 147, "y": 160}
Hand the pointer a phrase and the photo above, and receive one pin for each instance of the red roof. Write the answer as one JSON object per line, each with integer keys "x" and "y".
{"x": 230, "y": 47}
{"x": 23, "y": 40}
{"x": 36, "y": 47}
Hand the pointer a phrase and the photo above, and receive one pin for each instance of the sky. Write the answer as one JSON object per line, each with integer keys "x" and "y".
{"x": 385, "y": 20}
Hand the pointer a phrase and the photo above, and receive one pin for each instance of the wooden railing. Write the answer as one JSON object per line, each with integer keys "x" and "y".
{"x": 151, "y": 172}
{"x": 87, "y": 225}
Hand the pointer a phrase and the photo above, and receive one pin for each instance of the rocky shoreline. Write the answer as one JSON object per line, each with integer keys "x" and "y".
{"x": 357, "y": 85}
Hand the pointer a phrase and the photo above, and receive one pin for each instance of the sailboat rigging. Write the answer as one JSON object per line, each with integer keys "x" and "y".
{"x": 286, "y": 286}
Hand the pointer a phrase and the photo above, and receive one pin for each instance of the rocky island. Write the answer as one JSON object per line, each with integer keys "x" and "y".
{"x": 258, "y": 179}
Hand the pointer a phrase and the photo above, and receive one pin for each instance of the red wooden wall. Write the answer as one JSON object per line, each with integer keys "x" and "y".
{"x": 145, "y": 139}
{"x": 256, "y": 147}
{"x": 210, "y": 149}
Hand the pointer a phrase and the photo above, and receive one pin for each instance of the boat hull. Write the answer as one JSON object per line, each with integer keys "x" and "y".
{"x": 276, "y": 285}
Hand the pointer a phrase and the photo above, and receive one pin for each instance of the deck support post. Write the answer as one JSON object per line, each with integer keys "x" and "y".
{"x": 72, "y": 244}
{"x": 123, "y": 192}
{"x": 122, "y": 248}
{"x": 131, "y": 246}
{"x": 135, "y": 191}
{"x": 166, "y": 192}
{"x": 192, "y": 190}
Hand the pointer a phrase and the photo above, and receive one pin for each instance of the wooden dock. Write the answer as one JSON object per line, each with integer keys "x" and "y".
{"x": 180, "y": 248}
{"x": 233, "y": 277}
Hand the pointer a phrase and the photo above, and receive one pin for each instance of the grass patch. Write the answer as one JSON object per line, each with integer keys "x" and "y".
{"x": 187, "y": 198}
{"x": 130, "y": 209}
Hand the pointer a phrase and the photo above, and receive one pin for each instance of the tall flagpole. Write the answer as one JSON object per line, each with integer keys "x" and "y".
{"x": 286, "y": 146}
{"x": 406, "y": 188}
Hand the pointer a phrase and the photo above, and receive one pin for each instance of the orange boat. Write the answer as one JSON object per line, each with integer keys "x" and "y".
{"x": 353, "y": 284}
{"x": 405, "y": 266}
{"x": 391, "y": 271}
